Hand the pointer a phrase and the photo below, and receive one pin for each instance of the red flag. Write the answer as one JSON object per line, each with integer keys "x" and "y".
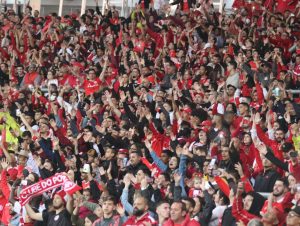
{"x": 223, "y": 185}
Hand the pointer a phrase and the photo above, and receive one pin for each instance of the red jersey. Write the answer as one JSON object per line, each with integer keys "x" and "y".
{"x": 91, "y": 86}
{"x": 134, "y": 221}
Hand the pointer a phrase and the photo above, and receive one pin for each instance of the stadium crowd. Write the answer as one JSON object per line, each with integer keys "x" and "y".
{"x": 168, "y": 117}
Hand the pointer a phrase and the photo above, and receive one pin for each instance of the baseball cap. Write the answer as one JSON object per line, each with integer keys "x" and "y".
{"x": 296, "y": 209}
{"x": 187, "y": 110}
{"x": 123, "y": 151}
{"x": 62, "y": 195}
{"x": 86, "y": 168}
{"x": 206, "y": 123}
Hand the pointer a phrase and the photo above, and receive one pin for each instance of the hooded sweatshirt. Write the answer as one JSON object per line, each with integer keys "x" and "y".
{"x": 243, "y": 215}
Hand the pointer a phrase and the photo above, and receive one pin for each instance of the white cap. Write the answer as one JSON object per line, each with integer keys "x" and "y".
{"x": 86, "y": 168}
{"x": 207, "y": 45}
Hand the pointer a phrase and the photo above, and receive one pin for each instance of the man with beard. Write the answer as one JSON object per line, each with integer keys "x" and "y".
{"x": 140, "y": 213}
{"x": 276, "y": 144}
{"x": 109, "y": 214}
{"x": 61, "y": 214}
{"x": 265, "y": 181}
{"x": 291, "y": 163}
{"x": 281, "y": 197}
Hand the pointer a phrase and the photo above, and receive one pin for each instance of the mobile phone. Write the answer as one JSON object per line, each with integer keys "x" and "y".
{"x": 125, "y": 160}
{"x": 18, "y": 112}
{"x": 212, "y": 162}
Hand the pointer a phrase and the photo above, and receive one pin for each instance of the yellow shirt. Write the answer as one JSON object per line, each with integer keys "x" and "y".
{"x": 10, "y": 124}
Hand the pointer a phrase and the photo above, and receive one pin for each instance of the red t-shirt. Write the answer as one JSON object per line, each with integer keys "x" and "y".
{"x": 91, "y": 86}
{"x": 68, "y": 79}
{"x": 186, "y": 7}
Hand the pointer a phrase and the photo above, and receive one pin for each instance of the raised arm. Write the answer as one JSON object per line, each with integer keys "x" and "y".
{"x": 33, "y": 215}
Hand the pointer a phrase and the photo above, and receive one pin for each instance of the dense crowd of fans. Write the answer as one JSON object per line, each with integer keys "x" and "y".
{"x": 166, "y": 117}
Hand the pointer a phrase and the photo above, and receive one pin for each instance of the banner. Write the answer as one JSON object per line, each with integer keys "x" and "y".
{"x": 48, "y": 184}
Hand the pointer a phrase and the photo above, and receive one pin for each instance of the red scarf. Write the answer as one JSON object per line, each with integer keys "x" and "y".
{"x": 48, "y": 184}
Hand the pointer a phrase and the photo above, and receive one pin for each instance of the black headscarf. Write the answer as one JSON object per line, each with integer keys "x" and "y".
{"x": 257, "y": 204}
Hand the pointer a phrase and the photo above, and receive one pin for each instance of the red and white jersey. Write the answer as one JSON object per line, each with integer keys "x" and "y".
{"x": 139, "y": 221}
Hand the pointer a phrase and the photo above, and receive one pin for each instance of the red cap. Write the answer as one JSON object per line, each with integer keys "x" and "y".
{"x": 182, "y": 140}
{"x": 62, "y": 195}
{"x": 206, "y": 123}
{"x": 123, "y": 151}
{"x": 187, "y": 110}
{"x": 204, "y": 129}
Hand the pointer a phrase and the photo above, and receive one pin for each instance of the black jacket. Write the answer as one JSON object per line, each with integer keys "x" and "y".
{"x": 265, "y": 181}
{"x": 205, "y": 215}
{"x": 227, "y": 218}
